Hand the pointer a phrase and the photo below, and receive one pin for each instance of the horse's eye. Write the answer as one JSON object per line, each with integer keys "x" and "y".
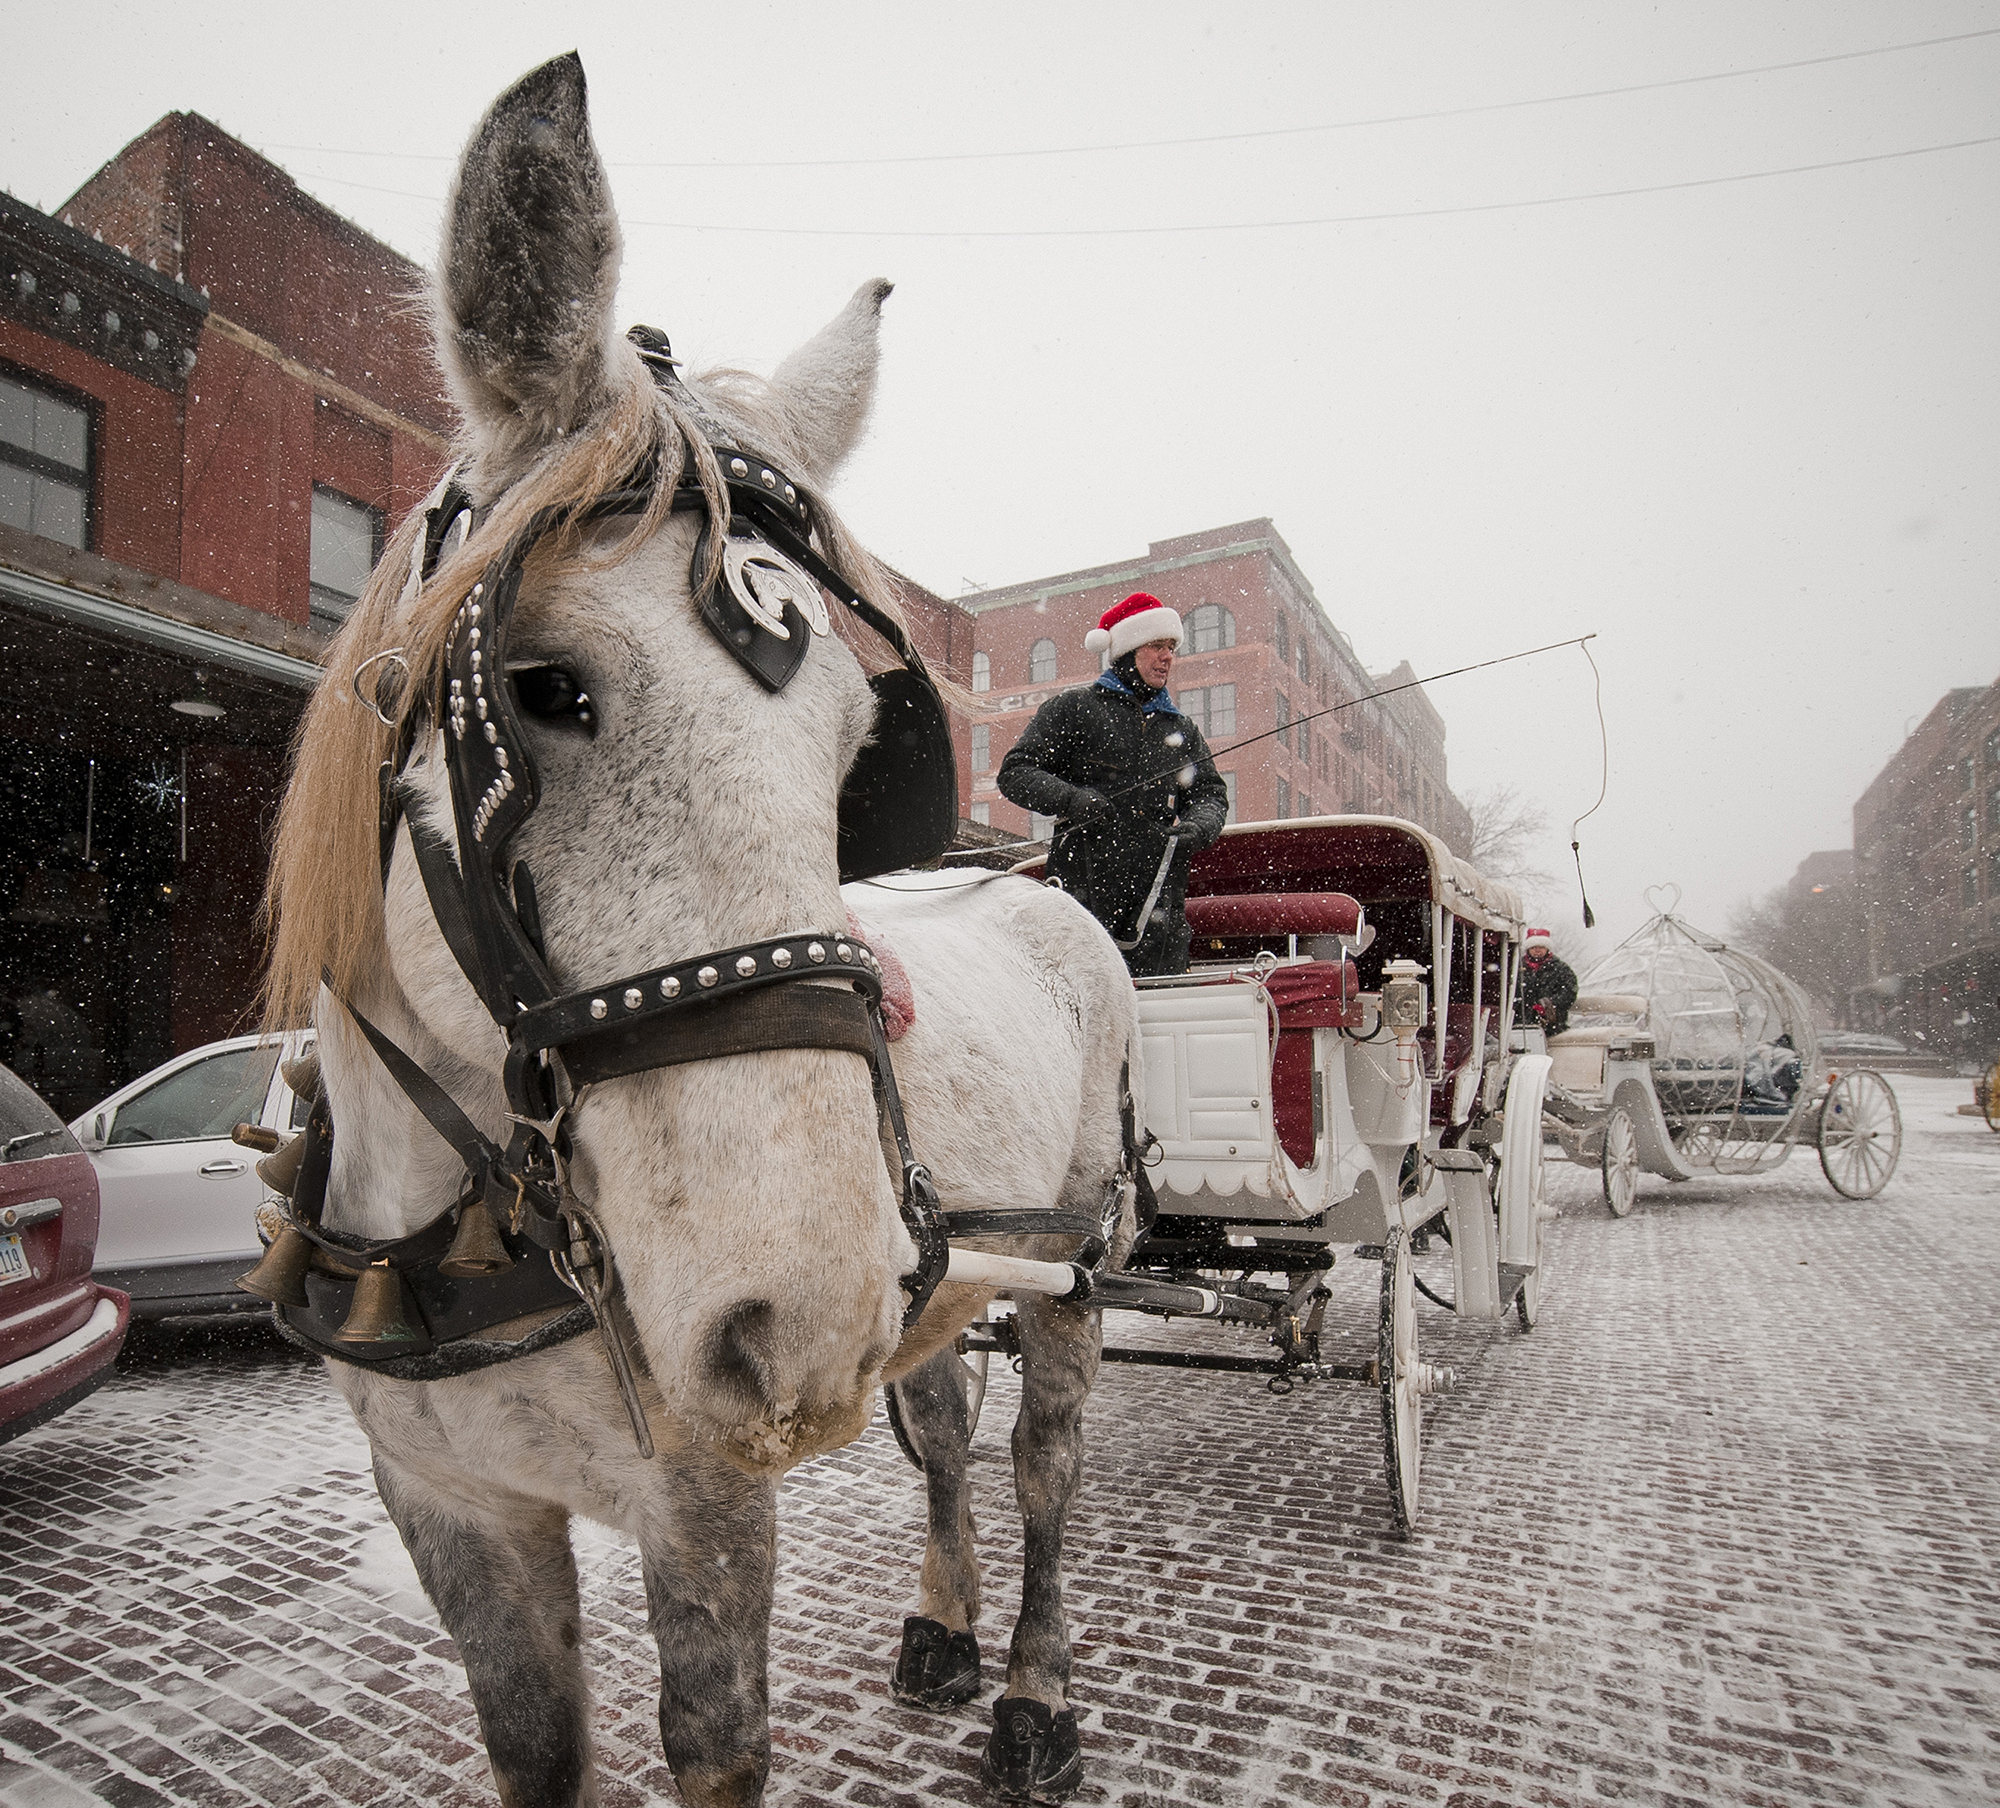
{"x": 554, "y": 694}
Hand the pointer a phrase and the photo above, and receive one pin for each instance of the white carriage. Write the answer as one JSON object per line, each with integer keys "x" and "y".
{"x": 1685, "y": 1056}
{"x": 1335, "y": 1072}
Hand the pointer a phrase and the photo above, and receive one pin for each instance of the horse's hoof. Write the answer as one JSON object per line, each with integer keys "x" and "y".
{"x": 1034, "y": 1755}
{"x": 938, "y": 1669}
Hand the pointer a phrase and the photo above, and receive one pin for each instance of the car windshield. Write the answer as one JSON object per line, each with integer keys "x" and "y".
{"x": 207, "y": 1098}
{"x": 29, "y": 1130}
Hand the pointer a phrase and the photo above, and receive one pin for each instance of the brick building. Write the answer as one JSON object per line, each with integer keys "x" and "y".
{"x": 1927, "y": 865}
{"x": 213, "y": 408}
{"x": 1260, "y": 655}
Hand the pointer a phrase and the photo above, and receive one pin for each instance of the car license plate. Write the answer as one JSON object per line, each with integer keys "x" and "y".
{"x": 14, "y": 1260}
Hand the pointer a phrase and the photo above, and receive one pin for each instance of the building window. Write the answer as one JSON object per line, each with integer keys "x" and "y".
{"x": 982, "y": 747}
{"x": 1042, "y": 662}
{"x": 1305, "y": 745}
{"x": 1305, "y": 804}
{"x": 1993, "y": 748}
{"x": 1993, "y": 808}
{"x": 1040, "y": 827}
{"x": 1210, "y": 629}
{"x": 982, "y": 813}
{"x": 1281, "y": 637}
{"x": 346, "y": 542}
{"x": 1229, "y": 785}
{"x": 982, "y": 672}
{"x": 1323, "y": 772}
{"x": 1284, "y": 808}
{"x": 44, "y": 464}
{"x": 1305, "y": 664}
{"x": 1968, "y": 894}
{"x": 1968, "y": 826}
{"x": 1212, "y": 709}
{"x": 1965, "y": 773}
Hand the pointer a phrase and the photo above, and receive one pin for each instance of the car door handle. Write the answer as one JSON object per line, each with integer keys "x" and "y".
{"x": 224, "y": 1166}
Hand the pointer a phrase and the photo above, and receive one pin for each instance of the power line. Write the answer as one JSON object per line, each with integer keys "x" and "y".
{"x": 1334, "y": 219}
{"x": 1157, "y": 144}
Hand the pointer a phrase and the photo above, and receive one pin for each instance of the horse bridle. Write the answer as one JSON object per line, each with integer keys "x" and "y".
{"x": 760, "y": 598}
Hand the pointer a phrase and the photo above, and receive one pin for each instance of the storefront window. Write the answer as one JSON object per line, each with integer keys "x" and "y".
{"x": 346, "y": 542}
{"x": 44, "y": 463}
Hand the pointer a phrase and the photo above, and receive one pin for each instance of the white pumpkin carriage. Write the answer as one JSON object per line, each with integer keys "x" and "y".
{"x": 1684, "y": 1056}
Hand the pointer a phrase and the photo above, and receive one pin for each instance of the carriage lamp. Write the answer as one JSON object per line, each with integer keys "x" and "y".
{"x": 1403, "y": 1007}
{"x": 1403, "y": 1001}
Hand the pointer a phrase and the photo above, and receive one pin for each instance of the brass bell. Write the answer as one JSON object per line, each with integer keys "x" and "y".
{"x": 302, "y": 1075}
{"x": 377, "y": 1313}
{"x": 280, "y": 1171}
{"x": 281, "y": 1276}
{"x": 476, "y": 1249}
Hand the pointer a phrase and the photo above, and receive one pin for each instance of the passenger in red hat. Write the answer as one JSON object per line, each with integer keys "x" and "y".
{"x": 1548, "y": 985}
{"x": 1131, "y": 784}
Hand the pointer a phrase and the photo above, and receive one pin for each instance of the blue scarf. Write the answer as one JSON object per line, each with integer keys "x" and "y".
{"x": 1160, "y": 701}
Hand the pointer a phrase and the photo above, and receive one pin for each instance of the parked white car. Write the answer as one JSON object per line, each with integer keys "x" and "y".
{"x": 180, "y": 1198}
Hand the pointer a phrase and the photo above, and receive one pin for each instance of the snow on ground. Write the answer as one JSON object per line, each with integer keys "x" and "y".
{"x": 1720, "y": 1530}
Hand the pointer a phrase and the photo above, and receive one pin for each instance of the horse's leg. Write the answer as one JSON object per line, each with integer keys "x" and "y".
{"x": 1033, "y": 1752}
{"x": 499, "y": 1570}
{"x": 939, "y": 1665}
{"x": 708, "y": 1544}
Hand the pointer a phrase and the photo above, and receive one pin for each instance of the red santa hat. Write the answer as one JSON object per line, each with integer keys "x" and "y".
{"x": 1132, "y": 623}
{"x": 1537, "y": 938}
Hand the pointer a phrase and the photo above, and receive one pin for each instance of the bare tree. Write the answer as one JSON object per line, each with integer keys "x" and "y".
{"x": 1507, "y": 830}
{"x": 1818, "y": 937}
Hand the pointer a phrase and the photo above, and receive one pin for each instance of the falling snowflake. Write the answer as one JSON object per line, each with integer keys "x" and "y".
{"x": 160, "y": 787}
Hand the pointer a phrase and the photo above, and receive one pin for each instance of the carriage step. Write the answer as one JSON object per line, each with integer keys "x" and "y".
{"x": 1513, "y": 1277}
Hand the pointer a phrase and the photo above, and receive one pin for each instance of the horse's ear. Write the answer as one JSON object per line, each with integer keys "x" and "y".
{"x": 827, "y": 385}
{"x": 529, "y": 270}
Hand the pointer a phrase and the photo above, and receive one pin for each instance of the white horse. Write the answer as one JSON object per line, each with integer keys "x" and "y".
{"x": 746, "y": 1200}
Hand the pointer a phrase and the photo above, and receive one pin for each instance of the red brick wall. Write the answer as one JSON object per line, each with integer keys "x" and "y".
{"x": 258, "y": 435}
{"x": 272, "y": 259}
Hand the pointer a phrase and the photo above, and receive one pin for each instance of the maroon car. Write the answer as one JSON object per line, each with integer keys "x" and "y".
{"x": 59, "y": 1331}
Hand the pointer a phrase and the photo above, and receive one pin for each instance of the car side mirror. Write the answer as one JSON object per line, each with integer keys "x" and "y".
{"x": 98, "y": 1134}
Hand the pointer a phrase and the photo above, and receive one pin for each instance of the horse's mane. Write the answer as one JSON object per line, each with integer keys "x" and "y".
{"x": 322, "y": 905}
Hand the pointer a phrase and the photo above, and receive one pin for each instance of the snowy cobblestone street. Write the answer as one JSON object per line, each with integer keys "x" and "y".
{"x": 1722, "y": 1530}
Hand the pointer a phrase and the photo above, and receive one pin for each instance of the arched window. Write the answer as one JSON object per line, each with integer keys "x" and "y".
{"x": 1210, "y": 629}
{"x": 982, "y": 672}
{"x": 1042, "y": 662}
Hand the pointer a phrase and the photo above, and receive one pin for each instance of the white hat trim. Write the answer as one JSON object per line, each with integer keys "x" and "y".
{"x": 1135, "y": 631}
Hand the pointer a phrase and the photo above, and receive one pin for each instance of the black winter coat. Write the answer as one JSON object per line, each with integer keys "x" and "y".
{"x": 1101, "y": 740}
{"x": 1548, "y": 990}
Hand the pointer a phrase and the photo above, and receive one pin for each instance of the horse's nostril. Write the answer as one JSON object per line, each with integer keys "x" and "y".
{"x": 742, "y": 1353}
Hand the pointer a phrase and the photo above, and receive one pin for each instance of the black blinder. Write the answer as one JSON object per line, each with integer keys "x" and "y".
{"x": 899, "y": 806}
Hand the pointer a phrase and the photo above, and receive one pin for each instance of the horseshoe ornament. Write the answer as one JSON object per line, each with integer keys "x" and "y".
{"x": 763, "y": 580}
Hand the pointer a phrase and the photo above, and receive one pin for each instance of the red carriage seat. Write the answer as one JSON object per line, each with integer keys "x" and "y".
{"x": 1240, "y": 916}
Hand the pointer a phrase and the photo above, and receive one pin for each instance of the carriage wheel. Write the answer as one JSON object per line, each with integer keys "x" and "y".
{"x": 1860, "y": 1134}
{"x": 1621, "y": 1162}
{"x": 1990, "y": 1100}
{"x": 972, "y": 1375}
{"x": 1402, "y": 1377}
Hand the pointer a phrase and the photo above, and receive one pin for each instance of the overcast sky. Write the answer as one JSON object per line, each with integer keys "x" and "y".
{"x": 1745, "y": 431}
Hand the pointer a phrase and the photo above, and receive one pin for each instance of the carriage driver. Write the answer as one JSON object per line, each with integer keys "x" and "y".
{"x": 1131, "y": 785}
